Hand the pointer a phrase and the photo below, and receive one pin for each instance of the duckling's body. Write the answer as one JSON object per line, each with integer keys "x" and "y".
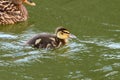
{"x": 46, "y": 40}
{"x": 13, "y": 11}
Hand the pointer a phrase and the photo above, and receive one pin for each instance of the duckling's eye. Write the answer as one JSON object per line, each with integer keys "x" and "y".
{"x": 62, "y": 33}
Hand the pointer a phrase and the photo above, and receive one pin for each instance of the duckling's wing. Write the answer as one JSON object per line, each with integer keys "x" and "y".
{"x": 43, "y": 41}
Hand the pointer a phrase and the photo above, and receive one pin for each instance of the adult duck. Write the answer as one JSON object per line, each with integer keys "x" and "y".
{"x": 13, "y": 11}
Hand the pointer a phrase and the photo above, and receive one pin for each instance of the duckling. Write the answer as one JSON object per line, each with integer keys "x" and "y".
{"x": 50, "y": 41}
{"x": 13, "y": 11}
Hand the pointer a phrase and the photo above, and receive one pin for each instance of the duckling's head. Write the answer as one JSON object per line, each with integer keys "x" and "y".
{"x": 62, "y": 33}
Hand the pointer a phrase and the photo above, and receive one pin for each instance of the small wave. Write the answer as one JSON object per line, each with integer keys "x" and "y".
{"x": 105, "y": 43}
{"x": 7, "y": 36}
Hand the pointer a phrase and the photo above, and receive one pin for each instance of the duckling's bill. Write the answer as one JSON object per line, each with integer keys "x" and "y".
{"x": 72, "y": 36}
{"x": 29, "y": 2}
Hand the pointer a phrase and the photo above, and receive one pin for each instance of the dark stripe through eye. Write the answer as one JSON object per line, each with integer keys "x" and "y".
{"x": 65, "y": 32}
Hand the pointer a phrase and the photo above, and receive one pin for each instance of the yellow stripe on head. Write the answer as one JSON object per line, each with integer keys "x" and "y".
{"x": 66, "y": 31}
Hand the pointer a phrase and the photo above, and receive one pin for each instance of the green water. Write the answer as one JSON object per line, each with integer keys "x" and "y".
{"x": 94, "y": 55}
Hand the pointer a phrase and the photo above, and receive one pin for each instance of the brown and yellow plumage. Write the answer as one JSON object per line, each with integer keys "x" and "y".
{"x": 13, "y": 11}
{"x": 46, "y": 40}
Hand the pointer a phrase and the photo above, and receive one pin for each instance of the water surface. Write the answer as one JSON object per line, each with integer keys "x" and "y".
{"x": 93, "y": 55}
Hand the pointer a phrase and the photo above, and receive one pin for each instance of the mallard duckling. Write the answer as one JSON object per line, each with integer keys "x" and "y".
{"x": 13, "y": 11}
{"x": 46, "y": 40}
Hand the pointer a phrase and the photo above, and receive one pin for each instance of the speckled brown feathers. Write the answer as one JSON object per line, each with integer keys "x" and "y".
{"x": 12, "y": 11}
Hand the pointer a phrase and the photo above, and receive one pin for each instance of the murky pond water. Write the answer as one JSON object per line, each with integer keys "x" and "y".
{"x": 94, "y": 55}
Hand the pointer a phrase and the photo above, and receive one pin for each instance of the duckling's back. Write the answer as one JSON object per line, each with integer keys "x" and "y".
{"x": 45, "y": 41}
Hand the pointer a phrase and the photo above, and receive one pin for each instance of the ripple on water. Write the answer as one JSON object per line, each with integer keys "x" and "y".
{"x": 7, "y": 36}
{"x": 114, "y": 45}
{"x": 111, "y": 56}
{"x": 103, "y": 42}
{"x": 104, "y": 69}
{"x": 76, "y": 47}
{"x": 111, "y": 73}
{"x": 77, "y": 75}
{"x": 16, "y": 52}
